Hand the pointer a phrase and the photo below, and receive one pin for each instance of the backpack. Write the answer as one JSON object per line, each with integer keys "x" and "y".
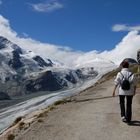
{"x": 125, "y": 84}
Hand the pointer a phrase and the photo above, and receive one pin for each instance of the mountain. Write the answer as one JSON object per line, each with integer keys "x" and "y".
{"x": 101, "y": 65}
{"x": 16, "y": 66}
{"x": 24, "y": 72}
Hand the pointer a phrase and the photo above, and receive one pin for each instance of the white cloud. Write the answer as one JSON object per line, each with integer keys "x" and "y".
{"x": 126, "y": 48}
{"x": 47, "y": 7}
{"x": 46, "y": 50}
{"x": 5, "y": 28}
{"x": 123, "y": 27}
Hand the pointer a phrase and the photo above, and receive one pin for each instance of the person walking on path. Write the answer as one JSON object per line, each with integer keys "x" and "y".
{"x": 126, "y": 82}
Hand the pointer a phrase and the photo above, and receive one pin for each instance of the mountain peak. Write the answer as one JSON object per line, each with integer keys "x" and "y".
{"x": 3, "y": 41}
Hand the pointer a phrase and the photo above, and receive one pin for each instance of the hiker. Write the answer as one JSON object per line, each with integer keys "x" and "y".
{"x": 126, "y": 82}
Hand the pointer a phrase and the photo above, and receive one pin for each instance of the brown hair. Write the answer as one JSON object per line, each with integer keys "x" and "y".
{"x": 125, "y": 64}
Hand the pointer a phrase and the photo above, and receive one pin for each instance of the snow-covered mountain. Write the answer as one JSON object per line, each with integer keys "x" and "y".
{"x": 100, "y": 65}
{"x": 16, "y": 66}
{"x": 13, "y": 59}
{"x": 23, "y": 72}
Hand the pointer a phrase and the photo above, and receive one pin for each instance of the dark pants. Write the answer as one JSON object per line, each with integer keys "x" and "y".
{"x": 128, "y": 111}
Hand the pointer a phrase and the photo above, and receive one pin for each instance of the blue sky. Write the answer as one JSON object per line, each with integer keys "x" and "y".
{"x": 79, "y": 24}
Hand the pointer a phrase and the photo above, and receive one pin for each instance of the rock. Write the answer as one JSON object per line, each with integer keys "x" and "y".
{"x": 41, "y": 62}
{"x": 15, "y": 62}
{"x": 47, "y": 82}
{"x": 4, "y": 96}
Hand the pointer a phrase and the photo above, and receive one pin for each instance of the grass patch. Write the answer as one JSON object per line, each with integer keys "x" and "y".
{"x": 138, "y": 84}
{"x": 43, "y": 114}
{"x": 59, "y": 102}
{"x": 11, "y": 137}
{"x": 134, "y": 68}
{"x": 111, "y": 74}
{"x": 40, "y": 120}
{"x": 17, "y": 120}
{"x": 51, "y": 107}
{"x": 21, "y": 125}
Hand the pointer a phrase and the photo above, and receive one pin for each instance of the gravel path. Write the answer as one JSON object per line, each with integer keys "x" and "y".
{"x": 93, "y": 115}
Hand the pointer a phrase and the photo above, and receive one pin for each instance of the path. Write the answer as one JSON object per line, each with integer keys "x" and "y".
{"x": 94, "y": 115}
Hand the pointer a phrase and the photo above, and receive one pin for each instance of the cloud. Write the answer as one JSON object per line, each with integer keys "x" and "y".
{"x": 54, "y": 52}
{"x": 47, "y": 6}
{"x": 5, "y": 28}
{"x": 127, "y": 48}
{"x": 123, "y": 27}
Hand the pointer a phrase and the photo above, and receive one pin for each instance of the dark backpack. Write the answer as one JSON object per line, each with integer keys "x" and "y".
{"x": 125, "y": 84}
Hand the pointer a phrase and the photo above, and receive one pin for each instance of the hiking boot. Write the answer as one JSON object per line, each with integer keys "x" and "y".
{"x": 123, "y": 119}
{"x": 128, "y": 122}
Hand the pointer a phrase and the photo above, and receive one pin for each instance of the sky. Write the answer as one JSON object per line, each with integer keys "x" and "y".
{"x": 73, "y": 29}
{"x": 80, "y": 24}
